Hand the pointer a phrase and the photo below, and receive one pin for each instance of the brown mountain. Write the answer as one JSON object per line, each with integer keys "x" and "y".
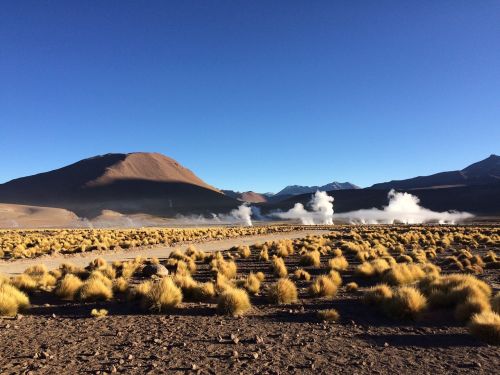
{"x": 484, "y": 172}
{"x": 246, "y": 196}
{"x": 128, "y": 183}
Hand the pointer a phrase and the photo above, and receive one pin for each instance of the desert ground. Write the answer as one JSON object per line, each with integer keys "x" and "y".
{"x": 346, "y": 299}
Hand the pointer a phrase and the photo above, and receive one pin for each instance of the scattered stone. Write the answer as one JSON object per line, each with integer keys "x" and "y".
{"x": 130, "y": 357}
{"x": 235, "y": 354}
{"x": 255, "y": 355}
{"x": 154, "y": 270}
{"x": 386, "y": 344}
{"x": 194, "y": 367}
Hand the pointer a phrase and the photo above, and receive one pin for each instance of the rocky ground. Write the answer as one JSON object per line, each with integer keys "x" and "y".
{"x": 61, "y": 337}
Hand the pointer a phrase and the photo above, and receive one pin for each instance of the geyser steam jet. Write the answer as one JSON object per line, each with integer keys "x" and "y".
{"x": 242, "y": 214}
{"x": 322, "y": 210}
{"x": 402, "y": 208}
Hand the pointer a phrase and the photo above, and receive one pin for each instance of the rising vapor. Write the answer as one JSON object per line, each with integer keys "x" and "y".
{"x": 322, "y": 210}
{"x": 402, "y": 208}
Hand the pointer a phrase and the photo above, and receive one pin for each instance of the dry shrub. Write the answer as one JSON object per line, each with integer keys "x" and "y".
{"x": 351, "y": 287}
{"x": 472, "y": 305}
{"x": 120, "y": 285}
{"x": 486, "y": 327}
{"x": 330, "y": 315}
{"x": 68, "y": 287}
{"x": 335, "y": 277}
{"x": 233, "y": 301}
{"x": 495, "y": 303}
{"x": 95, "y": 288}
{"x": 378, "y": 294}
{"x": 406, "y": 302}
{"x": 222, "y": 283}
{"x": 323, "y": 286}
{"x": 301, "y": 274}
{"x": 37, "y": 269}
{"x": 339, "y": 263}
{"x": 264, "y": 254}
{"x": 403, "y": 274}
{"x": 312, "y": 258}
{"x": 12, "y": 300}
{"x": 365, "y": 269}
{"x": 244, "y": 251}
{"x": 260, "y": 276}
{"x": 226, "y": 267}
{"x": 128, "y": 269}
{"x": 140, "y": 291}
{"x": 163, "y": 295}
{"x": 99, "y": 313}
{"x": 252, "y": 283}
{"x": 282, "y": 292}
{"x": 98, "y": 264}
{"x": 337, "y": 252}
{"x": 24, "y": 282}
{"x": 278, "y": 266}
{"x": 405, "y": 259}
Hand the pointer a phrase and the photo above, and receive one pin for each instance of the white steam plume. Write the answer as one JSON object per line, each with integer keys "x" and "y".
{"x": 243, "y": 214}
{"x": 322, "y": 210}
{"x": 402, "y": 208}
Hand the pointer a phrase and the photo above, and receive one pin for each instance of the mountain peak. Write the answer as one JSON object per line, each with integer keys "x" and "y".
{"x": 299, "y": 189}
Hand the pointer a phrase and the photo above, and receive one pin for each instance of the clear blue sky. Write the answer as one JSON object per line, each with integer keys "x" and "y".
{"x": 252, "y": 94}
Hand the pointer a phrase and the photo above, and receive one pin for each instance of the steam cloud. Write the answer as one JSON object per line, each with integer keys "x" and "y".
{"x": 322, "y": 210}
{"x": 241, "y": 215}
{"x": 402, "y": 208}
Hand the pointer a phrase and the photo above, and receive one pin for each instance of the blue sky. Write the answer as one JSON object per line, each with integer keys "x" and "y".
{"x": 252, "y": 95}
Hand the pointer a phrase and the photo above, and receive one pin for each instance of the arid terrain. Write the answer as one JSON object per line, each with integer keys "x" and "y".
{"x": 200, "y": 322}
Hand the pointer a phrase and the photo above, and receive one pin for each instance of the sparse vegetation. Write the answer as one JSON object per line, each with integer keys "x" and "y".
{"x": 233, "y": 301}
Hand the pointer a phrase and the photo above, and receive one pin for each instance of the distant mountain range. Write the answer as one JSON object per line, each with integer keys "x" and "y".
{"x": 483, "y": 172}
{"x": 154, "y": 184}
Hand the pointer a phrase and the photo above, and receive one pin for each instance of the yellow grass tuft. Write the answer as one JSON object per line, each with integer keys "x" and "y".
{"x": 406, "y": 302}
{"x": 323, "y": 286}
{"x": 278, "y": 266}
{"x": 311, "y": 258}
{"x": 233, "y": 301}
{"x": 378, "y": 294}
{"x": 120, "y": 285}
{"x": 99, "y": 313}
{"x": 244, "y": 251}
{"x": 403, "y": 274}
{"x": 24, "y": 282}
{"x": 339, "y": 263}
{"x": 330, "y": 315}
{"x": 162, "y": 296}
{"x": 95, "y": 289}
{"x": 12, "y": 300}
{"x": 486, "y": 327}
{"x": 283, "y": 291}
{"x": 301, "y": 274}
{"x": 472, "y": 305}
{"x": 68, "y": 287}
{"x": 264, "y": 254}
{"x": 495, "y": 303}
{"x": 260, "y": 276}
{"x": 351, "y": 287}
{"x": 252, "y": 283}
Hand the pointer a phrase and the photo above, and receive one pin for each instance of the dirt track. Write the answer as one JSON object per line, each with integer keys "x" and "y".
{"x": 82, "y": 259}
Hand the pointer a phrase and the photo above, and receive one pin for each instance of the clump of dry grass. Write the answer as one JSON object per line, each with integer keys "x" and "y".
{"x": 495, "y": 303}
{"x": 406, "y": 302}
{"x": 99, "y": 313}
{"x": 472, "y": 305}
{"x": 222, "y": 283}
{"x": 244, "y": 251}
{"x": 96, "y": 288}
{"x": 163, "y": 295}
{"x": 68, "y": 287}
{"x": 226, "y": 267}
{"x": 282, "y": 292}
{"x": 323, "y": 286}
{"x": 301, "y": 274}
{"x": 278, "y": 266}
{"x": 264, "y": 253}
{"x": 486, "y": 327}
{"x": 311, "y": 258}
{"x": 24, "y": 282}
{"x": 12, "y": 300}
{"x": 120, "y": 285}
{"x": 374, "y": 268}
{"x": 329, "y": 315}
{"x": 378, "y": 294}
{"x": 233, "y": 301}
{"x": 260, "y": 276}
{"x": 251, "y": 283}
{"x": 351, "y": 287}
{"x": 404, "y": 274}
{"x": 339, "y": 263}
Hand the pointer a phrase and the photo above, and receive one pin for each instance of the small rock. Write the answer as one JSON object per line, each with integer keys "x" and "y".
{"x": 157, "y": 341}
{"x": 54, "y": 315}
{"x": 19, "y": 316}
{"x": 113, "y": 369}
{"x": 386, "y": 344}
{"x": 130, "y": 357}
{"x": 154, "y": 270}
{"x": 255, "y": 355}
{"x": 121, "y": 361}
{"x": 7, "y": 326}
{"x": 234, "y": 338}
{"x": 194, "y": 367}
{"x": 259, "y": 339}
{"x": 235, "y": 354}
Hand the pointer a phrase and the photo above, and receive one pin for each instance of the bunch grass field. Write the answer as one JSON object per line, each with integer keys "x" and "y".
{"x": 401, "y": 274}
